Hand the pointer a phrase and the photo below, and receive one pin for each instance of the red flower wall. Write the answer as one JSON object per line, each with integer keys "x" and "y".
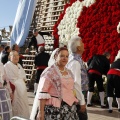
{"x": 98, "y": 27}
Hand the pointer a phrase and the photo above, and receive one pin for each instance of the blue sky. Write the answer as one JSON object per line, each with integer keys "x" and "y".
{"x": 8, "y": 10}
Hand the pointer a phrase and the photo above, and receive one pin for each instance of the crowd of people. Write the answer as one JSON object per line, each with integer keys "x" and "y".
{"x": 64, "y": 83}
{"x": 55, "y": 89}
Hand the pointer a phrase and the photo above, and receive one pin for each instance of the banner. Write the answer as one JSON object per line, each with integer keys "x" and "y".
{"x": 22, "y": 21}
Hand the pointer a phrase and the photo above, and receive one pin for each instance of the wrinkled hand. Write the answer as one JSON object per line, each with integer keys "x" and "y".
{"x": 82, "y": 108}
{"x": 11, "y": 96}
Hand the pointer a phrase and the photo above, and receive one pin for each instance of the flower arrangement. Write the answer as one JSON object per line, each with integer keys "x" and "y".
{"x": 95, "y": 21}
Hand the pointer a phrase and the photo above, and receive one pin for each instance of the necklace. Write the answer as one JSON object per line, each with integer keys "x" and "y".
{"x": 62, "y": 70}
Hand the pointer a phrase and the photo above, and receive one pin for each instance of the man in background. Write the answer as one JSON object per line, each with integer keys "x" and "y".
{"x": 41, "y": 62}
{"x": 75, "y": 64}
{"x": 98, "y": 65}
{"x": 37, "y": 40}
{"x": 5, "y": 54}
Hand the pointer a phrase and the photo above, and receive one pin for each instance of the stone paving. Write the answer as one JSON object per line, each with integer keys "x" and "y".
{"x": 94, "y": 113}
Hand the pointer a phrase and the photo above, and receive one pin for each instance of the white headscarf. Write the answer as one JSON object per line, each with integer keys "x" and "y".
{"x": 52, "y": 59}
{"x": 36, "y": 103}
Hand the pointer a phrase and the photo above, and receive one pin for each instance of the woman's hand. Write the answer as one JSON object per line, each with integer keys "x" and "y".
{"x": 40, "y": 116}
{"x": 11, "y": 96}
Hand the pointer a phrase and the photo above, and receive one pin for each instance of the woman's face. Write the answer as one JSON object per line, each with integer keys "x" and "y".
{"x": 14, "y": 57}
{"x": 62, "y": 57}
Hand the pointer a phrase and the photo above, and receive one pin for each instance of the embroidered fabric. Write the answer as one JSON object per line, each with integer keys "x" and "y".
{"x": 61, "y": 75}
{"x": 52, "y": 73}
{"x": 44, "y": 96}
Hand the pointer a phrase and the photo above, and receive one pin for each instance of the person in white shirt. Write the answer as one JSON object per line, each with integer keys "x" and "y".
{"x": 37, "y": 39}
{"x": 75, "y": 64}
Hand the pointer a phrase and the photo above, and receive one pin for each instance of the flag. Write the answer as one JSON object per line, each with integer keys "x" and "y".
{"x": 22, "y": 21}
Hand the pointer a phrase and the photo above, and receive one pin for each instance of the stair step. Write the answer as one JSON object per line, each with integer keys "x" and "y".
{"x": 28, "y": 60}
{"x": 28, "y": 70}
{"x": 27, "y": 65}
{"x": 28, "y": 74}
{"x": 28, "y": 79}
{"x": 29, "y": 55}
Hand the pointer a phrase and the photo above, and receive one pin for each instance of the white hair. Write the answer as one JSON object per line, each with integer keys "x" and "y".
{"x": 73, "y": 43}
{"x": 118, "y": 56}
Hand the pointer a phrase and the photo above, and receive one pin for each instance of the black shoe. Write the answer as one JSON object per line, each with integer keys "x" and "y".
{"x": 89, "y": 105}
{"x": 103, "y": 106}
{"x": 119, "y": 110}
{"x": 110, "y": 111}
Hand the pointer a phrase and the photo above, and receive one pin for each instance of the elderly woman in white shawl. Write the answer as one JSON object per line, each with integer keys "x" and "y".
{"x": 5, "y": 101}
{"x": 16, "y": 76}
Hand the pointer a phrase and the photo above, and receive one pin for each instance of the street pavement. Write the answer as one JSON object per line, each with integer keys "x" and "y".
{"x": 94, "y": 113}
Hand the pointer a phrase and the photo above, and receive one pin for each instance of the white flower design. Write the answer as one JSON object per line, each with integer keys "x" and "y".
{"x": 67, "y": 27}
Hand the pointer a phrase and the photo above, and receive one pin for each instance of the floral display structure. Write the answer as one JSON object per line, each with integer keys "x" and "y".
{"x": 97, "y": 22}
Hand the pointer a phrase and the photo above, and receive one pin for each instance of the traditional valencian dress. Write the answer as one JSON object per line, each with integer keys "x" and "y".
{"x": 16, "y": 75}
{"x": 58, "y": 90}
{"x": 5, "y": 101}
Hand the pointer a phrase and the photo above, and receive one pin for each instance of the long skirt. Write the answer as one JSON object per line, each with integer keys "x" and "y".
{"x": 65, "y": 112}
{"x": 5, "y": 105}
{"x": 20, "y": 105}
